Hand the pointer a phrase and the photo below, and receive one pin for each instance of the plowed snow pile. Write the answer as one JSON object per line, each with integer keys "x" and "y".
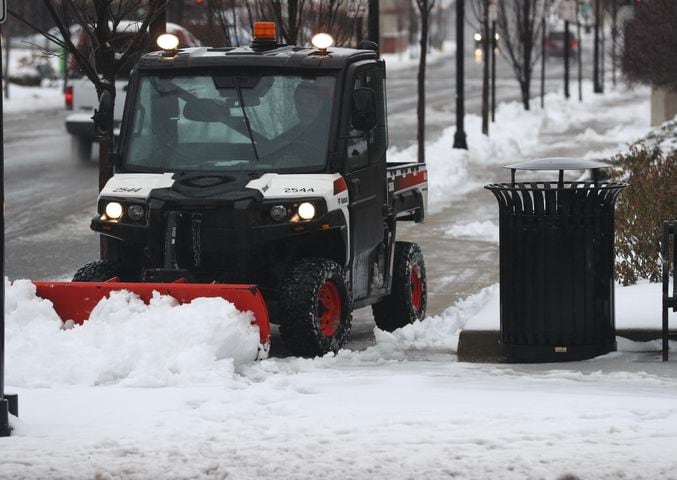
{"x": 125, "y": 341}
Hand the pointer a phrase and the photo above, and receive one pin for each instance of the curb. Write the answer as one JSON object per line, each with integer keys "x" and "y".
{"x": 482, "y": 346}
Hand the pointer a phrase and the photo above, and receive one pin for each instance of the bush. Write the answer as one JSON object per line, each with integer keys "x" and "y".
{"x": 649, "y": 200}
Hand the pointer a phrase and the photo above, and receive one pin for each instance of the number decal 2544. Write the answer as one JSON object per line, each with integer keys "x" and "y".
{"x": 298, "y": 190}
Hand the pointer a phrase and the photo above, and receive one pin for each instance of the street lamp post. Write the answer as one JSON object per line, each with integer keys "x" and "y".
{"x": 494, "y": 48}
{"x": 460, "y": 136}
{"x": 8, "y": 403}
{"x": 595, "y": 64}
{"x": 567, "y": 12}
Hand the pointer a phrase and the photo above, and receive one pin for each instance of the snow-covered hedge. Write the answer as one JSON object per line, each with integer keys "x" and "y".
{"x": 650, "y": 167}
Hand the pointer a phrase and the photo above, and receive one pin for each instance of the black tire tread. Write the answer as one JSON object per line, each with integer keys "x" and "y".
{"x": 299, "y": 327}
{"x": 98, "y": 271}
{"x": 395, "y": 311}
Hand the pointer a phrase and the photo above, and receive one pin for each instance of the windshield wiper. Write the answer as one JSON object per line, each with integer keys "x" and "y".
{"x": 246, "y": 118}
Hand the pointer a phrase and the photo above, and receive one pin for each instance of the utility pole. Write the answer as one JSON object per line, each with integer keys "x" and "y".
{"x": 374, "y": 26}
{"x": 459, "y": 136}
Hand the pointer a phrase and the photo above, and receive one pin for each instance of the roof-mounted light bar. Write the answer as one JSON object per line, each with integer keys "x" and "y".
{"x": 265, "y": 36}
{"x": 265, "y": 31}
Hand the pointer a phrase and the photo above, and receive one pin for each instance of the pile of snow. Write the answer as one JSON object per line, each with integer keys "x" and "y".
{"x": 125, "y": 341}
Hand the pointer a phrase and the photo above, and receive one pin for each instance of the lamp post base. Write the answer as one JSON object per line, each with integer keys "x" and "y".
{"x": 8, "y": 404}
{"x": 460, "y": 140}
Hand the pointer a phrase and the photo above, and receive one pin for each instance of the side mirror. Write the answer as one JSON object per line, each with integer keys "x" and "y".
{"x": 363, "y": 112}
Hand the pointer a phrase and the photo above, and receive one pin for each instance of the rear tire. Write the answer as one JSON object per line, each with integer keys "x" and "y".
{"x": 314, "y": 308}
{"x": 81, "y": 148}
{"x": 408, "y": 297}
{"x": 98, "y": 271}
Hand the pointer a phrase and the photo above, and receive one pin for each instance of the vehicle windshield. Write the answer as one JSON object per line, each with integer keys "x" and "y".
{"x": 231, "y": 123}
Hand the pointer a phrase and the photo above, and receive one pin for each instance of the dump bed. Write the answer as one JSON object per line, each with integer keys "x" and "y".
{"x": 408, "y": 190}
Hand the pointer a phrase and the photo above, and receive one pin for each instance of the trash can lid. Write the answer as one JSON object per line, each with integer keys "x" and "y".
{"x": 557, "y": 163}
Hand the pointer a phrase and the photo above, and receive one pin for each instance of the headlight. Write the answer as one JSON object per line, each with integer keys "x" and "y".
{"x": 306, "y": 211}
{"x": 114, "y": 210}
{"x": 135, "y": 212}
{"x": 278, "y": 212}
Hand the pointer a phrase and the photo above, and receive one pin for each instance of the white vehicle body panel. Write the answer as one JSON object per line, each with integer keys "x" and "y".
{"x": 135, "y": 185}
{"x": 85, "y": 100}
{"x": 271, "y": 186}
{"x": 288, "y": 187}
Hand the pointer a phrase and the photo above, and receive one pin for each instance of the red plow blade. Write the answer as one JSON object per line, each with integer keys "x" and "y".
{"x": 76, "y": 300}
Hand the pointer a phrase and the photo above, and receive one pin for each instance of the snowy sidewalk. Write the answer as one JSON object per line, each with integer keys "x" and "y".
{"x": 460, "y": 241}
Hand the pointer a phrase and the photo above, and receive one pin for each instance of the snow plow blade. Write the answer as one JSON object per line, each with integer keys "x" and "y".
{"x": 76, "y": 300}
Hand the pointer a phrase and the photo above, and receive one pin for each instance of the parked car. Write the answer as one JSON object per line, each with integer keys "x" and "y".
{"x": 81, "y": 98}
{"x": 554, "y": 44}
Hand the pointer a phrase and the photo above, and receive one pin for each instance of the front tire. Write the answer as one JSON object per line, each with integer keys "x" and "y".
{"x": 408, "y": 297}
{"x": 98, "y": 271}
{"x": 314, "y": 308}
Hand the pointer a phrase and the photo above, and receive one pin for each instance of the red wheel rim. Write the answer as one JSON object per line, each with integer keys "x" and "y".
{"x": 329, "y": 308}
{"x": 416, "y": 288}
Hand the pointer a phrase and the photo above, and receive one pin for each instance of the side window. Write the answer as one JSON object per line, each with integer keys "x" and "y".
{"x": 378, "y": 136}
{"x": 358, "y": 145}
{"x": 369, "y": 148}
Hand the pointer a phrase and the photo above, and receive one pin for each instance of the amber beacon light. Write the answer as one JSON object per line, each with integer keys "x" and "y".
{"x": 264, "y": 31}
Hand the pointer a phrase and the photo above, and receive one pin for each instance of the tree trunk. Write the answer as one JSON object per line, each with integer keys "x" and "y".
{"x": 292, "y": 18}
{"x": 524, "y": 88}
{"x": 420, "y": 106}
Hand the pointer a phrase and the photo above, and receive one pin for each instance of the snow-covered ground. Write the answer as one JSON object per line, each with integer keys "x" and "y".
{"x": 167, "y": 391}
{"x": 33, "y": 99}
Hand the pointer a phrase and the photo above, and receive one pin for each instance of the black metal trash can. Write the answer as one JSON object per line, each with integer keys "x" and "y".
{"x": 557, "y": 261}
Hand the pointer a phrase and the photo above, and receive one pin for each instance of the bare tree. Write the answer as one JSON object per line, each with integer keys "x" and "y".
{"x": 424, "y": 9}
{"x": 338, "y": 18}
{"x": 287, "y": 14}
{"x": 520, "y": 29}
{"x": 649, "y": 53}
{"x": 114, "y": 45}
{"x": 298, "y": 18}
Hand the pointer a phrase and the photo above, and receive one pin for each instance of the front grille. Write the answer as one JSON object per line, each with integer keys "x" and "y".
{"x": 207, "y": 240}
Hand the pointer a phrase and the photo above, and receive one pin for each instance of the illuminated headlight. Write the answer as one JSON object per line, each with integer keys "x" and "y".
{"x": 135, "y": 212}
{"x": 306, "y": 211}
{"x": 278, "y": 213}
{"x": 478, "y": 37}
{"x": 114, "y": 210}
